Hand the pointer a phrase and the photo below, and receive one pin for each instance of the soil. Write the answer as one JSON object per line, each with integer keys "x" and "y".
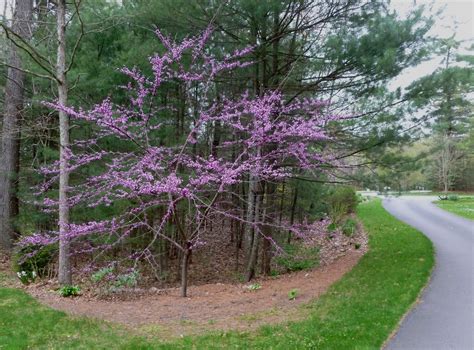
{"x": 216, "y": 306}
{"x": 213, "y": 306}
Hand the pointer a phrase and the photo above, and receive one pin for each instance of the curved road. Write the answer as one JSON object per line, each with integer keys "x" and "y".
{"x": 444, "y": 319}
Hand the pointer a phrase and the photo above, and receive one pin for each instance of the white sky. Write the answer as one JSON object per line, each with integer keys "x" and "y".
{"x": 456, "y": 17}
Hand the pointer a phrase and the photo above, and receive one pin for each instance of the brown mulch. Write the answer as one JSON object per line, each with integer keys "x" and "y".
{"x": 4, "y": 261}
{"x": 210, "y": 306}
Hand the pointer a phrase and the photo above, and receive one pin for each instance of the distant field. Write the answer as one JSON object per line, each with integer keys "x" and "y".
{"x": 464, "y": 206}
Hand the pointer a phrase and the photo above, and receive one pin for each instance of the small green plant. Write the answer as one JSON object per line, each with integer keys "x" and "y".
{"x": 332, "y": 227}
{"x": 101, "y": 274}
{"x": 453, "y": 197}
{"x": 274, "y": 273}
{"x": 127, "y": 280}
{"x": 357, "y": 246}
{"x": 349, "y": 227}
{"x": 292, "y": 294}
{"x": 254, "y": 286}
{"x": 26, "y": 277}
{"x": 69, "y": 291}
{"x": 298, "y": 257}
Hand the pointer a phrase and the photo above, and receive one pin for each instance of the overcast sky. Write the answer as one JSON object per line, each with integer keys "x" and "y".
{"x": 457, "y": 17}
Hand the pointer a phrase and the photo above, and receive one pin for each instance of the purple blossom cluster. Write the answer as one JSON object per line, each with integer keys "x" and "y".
{"x": 271, "y": 139}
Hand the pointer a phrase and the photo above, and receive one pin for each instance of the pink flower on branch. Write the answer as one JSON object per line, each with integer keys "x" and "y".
{"x": 265, "y": 138}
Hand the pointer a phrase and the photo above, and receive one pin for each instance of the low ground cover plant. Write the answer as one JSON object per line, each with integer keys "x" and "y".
{"x": 69, "y": 291}
{"x": 254, "y": 286}
{"x": 297, "y": 257}
{"x": 26, "y": 277}
{"x": 349, "y": 227}
{"x": 292, "y": 294}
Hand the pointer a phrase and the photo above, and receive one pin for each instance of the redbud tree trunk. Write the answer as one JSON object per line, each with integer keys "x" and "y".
{"x": 184, "y": 272}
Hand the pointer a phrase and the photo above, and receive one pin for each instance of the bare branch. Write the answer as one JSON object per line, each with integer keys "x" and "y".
{"x": 30, "y": 50}
{"x": 79, "y": 38}
{"x": 44, "y": 76}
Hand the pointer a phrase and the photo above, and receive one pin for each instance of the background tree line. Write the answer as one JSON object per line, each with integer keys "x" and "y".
{"x": 344, "y": 52}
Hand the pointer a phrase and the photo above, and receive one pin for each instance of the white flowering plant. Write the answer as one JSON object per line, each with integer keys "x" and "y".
{"x": 27, "y": 277}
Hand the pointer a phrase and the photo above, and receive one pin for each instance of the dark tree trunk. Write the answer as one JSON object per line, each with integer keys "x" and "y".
{"x": 266, "y": 255}
{"x": 282, "y": 202}
{"x": 184, "y": 271}
{"x": 252, "y": 261}
{"x": 254, "y": 244}
{"x": 13, "y": 110}
{"x": 293, "y": 210}
{"x": 269, "y": 219}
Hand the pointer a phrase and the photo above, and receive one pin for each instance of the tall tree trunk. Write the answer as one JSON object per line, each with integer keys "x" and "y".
{"x": 282, "y": 202}
{"x": 269, "y": 219}
{"x": 266, "y": 252}
{"x": 184, "y": 270}
{"x": 293, "y": 210}
{"x": 254, "y": 246}
{"x": 65, "y": 276}
{"x": 13, "y": 109}
{"x": 249, "y": 231}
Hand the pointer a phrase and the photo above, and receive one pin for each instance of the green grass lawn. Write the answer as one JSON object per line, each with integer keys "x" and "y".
{"x": 25, "y": 324}
{"x": 464, "y": 206}
{"x": 358, "y": 312}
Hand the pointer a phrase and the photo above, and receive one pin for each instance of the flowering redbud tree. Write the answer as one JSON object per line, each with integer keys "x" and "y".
{"x": 269, "y": 139}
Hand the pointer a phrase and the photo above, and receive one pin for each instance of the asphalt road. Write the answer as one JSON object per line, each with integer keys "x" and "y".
{"x": 444, "y": 319}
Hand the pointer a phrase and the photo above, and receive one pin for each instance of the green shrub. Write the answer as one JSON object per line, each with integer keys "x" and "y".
{"x": 298, "y": 257}
{"x": 349, "y": 227}
{"x": 453, "y": 197}
{"x": 26, "y": 277}
{"x": 341, "y": 202}
{"x": 37, "y": 263}
{"x": 69, "y": 291}
{"x": 337, "y": 212}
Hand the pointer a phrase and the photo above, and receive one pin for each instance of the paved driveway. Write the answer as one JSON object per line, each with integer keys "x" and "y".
{"x": 444, "y": 319}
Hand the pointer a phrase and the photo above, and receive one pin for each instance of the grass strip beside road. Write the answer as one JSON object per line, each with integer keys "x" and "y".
{"x": 358, "y": 312}
{"x": 463, "y": 206}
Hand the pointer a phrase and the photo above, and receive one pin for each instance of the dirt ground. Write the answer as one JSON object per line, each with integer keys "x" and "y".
{"x": 210, "y": 306}
{"x": 213, "y": 306}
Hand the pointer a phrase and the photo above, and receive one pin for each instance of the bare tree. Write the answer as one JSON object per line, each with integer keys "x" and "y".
{"x": 13, "y": 109}
{"x": 447, "y": 162}
{"x": 61, "y": 69}
{"x": 58, "y": 75}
